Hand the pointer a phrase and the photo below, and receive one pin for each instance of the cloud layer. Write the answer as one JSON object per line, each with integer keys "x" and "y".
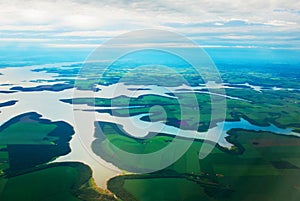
{"x": 79, "y": 23}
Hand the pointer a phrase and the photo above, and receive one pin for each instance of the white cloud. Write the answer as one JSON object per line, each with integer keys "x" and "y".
{"x": 23, "y": 40}
{"x": 91, "y": 33}
{"x": 238, "y": 37}
{"x": 281, "y": 23}
{"x": 93, "y": 14}
{"x": 57, "y": 45}
{"x": 26, "y": 27}
{"x": 89, "y": 19}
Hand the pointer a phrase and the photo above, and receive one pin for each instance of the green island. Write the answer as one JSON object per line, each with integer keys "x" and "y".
{"x": 27, "y": 145}
{"x": 265, "y": 162}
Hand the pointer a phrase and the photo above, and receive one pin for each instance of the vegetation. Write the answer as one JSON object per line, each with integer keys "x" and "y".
{"x": 268, "y": 162}
{"x": 55, "y": 87}
{"x": 262, "y": 109}
{"x": 8, "y": 103}
{"x": 260, "y": 166}
{"x": 27, "y": 144}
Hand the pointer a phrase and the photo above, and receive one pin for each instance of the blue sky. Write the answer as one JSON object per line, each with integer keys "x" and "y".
{"x": 81, "y": 24}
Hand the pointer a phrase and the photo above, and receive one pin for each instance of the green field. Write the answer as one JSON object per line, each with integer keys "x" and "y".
{"x": 266, "y": 162}
{"x": 70, "y": 181}
{"x": 48, "y": 184}
{"x": 185, "y": 190}
{"x": 28, "y": 144}
{"x": 27, "y": 133}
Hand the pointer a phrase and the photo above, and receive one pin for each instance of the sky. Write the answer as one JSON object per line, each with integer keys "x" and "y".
{"x": 75, "y": 24}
